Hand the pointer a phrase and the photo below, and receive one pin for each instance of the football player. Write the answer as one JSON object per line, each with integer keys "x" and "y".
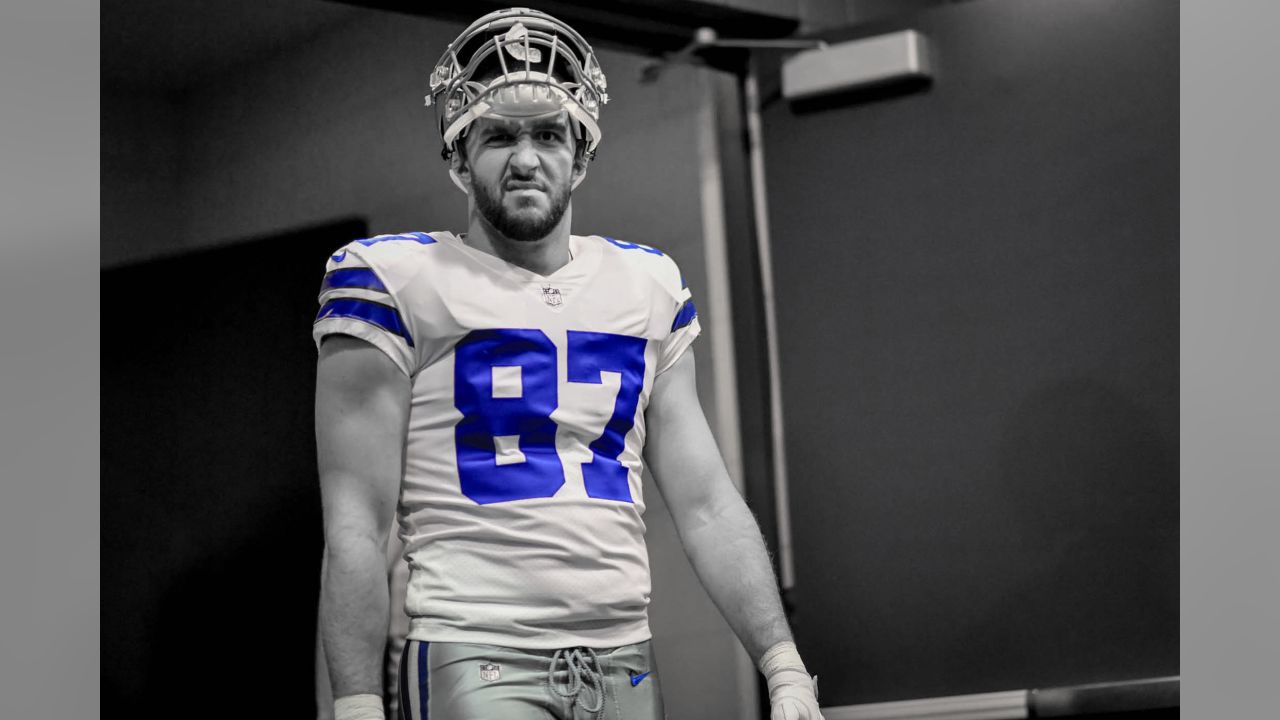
{"x": 499, "y": 391}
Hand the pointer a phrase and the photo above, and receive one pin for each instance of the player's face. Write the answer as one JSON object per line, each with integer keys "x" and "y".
{"x": 521, "y": 173}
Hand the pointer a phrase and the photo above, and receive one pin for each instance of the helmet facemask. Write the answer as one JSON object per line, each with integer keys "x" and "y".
{"x": 517, "y": 64}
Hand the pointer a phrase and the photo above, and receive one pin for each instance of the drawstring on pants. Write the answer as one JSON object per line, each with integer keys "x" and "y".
{"x": 581, "y": 675}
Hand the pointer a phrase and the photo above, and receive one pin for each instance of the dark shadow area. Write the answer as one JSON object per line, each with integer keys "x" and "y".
{"x": 636, "y": 25}
{"x": 211, "y": 526}
{"x": 1086, "y": 503}
{"x": 1161, "y": 714}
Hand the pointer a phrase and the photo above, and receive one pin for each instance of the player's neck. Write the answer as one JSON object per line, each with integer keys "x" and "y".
{"x": 542, "y": 257}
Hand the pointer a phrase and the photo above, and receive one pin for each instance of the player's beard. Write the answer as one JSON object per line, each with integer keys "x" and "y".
{"x": 525, "y": 227}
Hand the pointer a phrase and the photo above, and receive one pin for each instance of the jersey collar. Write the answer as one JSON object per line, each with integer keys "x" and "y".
{"x": 585, "y": 253}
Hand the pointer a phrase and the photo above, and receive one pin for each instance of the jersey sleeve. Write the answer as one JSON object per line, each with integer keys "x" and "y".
{"x": 360, "y": 298}
{"x": 684, "y": 321}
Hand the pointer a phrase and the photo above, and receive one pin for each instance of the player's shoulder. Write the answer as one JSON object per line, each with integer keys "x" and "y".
{"x": 396, "y": 253}
{"x": 390, "y": 245}
{"x": 645, "y": 259}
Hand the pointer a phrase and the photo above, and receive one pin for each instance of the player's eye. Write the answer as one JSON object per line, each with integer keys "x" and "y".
{"x": 499, "y": 138}
{"x": 548, "y": 136}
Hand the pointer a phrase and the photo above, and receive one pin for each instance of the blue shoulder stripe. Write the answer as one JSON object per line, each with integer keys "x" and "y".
{"x": 376, "y": 314}
{"x": 632, "y": 246}
{"x": 419, "y": 237}
{"x": 686, "y": 315}
{"x": 352, "y": 278}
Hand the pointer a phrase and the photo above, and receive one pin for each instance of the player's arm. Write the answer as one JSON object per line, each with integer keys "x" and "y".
{"x": 721, "y": 536}
{"x": 362, "y": 408}
{"x": 324, "y": 693}
{"x": 397, "y": 572}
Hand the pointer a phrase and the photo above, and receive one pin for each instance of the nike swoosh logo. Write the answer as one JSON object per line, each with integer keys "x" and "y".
{"x": 635, "y": 679}
{"x": 340, "y": 256}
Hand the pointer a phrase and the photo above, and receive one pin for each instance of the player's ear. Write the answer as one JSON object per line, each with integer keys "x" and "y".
{"x": 458, "y": 167}
{"x": 580, "y": 161}
{"x": 458, "y": 162}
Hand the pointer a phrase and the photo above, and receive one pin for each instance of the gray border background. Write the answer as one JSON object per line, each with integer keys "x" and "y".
{"x": 49, "y": 522}
{"x": 1230, "y": 400}
{"x": 49, "y": 493}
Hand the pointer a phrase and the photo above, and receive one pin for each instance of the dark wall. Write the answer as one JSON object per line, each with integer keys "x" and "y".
{"x": 977, "y": 288}
{"x": 211, "y": 510}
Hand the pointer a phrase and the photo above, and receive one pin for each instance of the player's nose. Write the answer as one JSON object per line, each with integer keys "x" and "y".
{"x": 524, "y": 158}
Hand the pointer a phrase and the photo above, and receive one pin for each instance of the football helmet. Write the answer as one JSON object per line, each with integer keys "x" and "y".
{"x": 517, "y": 63}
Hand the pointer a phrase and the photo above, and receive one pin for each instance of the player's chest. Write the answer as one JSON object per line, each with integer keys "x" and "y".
{"x": 525, "y": 410}
{"x": 580, "y": 378}
{"x": 483, "y": 299}
{"x": 580, "y": 354}
{"x": 465, "y": 306}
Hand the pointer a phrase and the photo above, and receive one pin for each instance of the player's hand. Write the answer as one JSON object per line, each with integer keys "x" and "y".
{"x": 793, "y": 695}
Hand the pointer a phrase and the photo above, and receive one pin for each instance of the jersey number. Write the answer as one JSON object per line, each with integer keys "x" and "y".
{"x": 525, "y": 417}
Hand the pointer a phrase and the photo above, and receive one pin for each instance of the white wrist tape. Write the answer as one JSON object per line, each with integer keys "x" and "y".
{"x": 779, "y": 657}
{"x": 358, "y": 707}
{"x": 782, "y": 667}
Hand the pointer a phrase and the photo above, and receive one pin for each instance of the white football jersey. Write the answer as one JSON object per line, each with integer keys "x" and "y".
{"x": 521, "y": 504}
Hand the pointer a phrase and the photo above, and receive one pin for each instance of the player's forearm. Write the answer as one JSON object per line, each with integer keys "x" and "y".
{"x": 353, "y": 615}
{"x": 729, "y": 556}
{"x": 324, "y": 694}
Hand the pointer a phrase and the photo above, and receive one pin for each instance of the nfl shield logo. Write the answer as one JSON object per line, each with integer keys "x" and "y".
{"x": 490, "y": 672}
{"x": 551, "y": 296}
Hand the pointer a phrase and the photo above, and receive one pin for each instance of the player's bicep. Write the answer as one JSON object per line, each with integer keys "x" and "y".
{"x": 680, "y": 449}
{"x": 362, "y": 409}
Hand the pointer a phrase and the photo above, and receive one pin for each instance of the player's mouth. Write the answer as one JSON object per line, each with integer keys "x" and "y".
{"x": 516, "y": 185}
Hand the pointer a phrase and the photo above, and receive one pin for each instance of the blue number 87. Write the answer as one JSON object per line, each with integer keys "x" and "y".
{"x": 528, "y": 415}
